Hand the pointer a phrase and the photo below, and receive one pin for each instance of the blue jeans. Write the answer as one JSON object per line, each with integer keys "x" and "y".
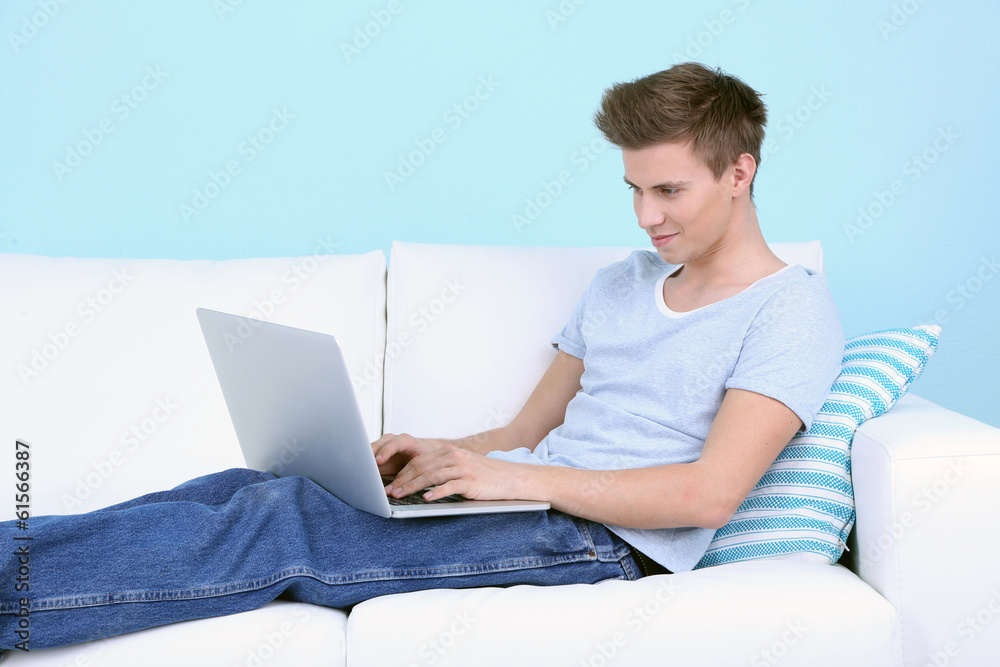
{"x": 235, "y": 540}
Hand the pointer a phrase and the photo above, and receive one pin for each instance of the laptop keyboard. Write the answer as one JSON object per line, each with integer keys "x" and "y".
{"x": 418, "y": 499}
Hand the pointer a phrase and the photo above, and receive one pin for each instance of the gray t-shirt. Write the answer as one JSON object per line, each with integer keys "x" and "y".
{"x": 655, "y": 379}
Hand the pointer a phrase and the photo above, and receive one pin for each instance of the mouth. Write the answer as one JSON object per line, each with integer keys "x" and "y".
{"x": 660, "y": 241}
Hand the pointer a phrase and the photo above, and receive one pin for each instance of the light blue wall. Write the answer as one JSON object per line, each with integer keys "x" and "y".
{"x": 866, "y": 97}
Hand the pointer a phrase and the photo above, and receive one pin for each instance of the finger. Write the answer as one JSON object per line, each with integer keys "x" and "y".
{"x": 380, "y": 443}
{"x": 405, "y": 482}
{"x": 421, "y": 472}
{"x": 390, "y": 448}
{"x": 449, "y": 488}
{"x": 389, "y": 469}
{"x": 383, "y": 451}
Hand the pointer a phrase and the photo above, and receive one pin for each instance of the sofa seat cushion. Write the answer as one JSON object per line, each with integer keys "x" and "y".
{"x": 748, "y": 613}
{"x": 279, "y": 634}
{"x": 109, "y": 378}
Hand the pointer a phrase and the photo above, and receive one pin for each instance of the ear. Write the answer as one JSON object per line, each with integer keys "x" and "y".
{"x": 743, "y": 170}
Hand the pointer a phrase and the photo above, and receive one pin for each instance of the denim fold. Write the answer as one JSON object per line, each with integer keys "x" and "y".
{"x": 235, "y": 540}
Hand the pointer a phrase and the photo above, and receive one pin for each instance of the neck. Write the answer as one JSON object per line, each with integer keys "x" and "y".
{"x": 742, "y": 256}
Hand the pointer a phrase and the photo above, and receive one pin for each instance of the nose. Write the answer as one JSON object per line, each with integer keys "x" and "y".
{"x": 647, "y": 213}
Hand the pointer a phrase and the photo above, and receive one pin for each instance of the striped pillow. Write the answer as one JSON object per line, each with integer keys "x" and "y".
{"x": 803, "y": 506}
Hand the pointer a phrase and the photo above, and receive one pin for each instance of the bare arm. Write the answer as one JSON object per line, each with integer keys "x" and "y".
{"x": 748, "y": 433}
{"x": 544, "y": 410}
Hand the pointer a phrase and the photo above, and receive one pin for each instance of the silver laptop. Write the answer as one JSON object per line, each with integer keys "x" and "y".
{"x": 295, "y": 413}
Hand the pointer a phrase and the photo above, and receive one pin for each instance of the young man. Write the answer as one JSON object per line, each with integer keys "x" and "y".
{"x": 644, "y": 434}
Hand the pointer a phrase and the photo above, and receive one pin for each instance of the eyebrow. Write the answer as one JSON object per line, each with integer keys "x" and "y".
{"x": 667, "y": 184}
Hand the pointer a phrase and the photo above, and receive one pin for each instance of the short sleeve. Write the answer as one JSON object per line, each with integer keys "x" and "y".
{"x": 571, "y": 339}
{"x": 793, "y": 349}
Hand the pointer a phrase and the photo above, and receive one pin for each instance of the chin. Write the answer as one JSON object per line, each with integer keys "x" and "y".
{"x": 669, "y": 256}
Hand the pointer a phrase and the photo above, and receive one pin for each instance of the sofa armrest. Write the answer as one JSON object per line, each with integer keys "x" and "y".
{"x": 925, "y": 483}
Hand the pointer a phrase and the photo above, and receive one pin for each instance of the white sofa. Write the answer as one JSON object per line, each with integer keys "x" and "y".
{"x": 108, "y": 379}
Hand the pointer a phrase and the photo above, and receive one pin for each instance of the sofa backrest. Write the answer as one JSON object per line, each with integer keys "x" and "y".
{"x": 107, "y": 377}
{"x": 469, "y": 327}
{"x": 109, "y": 380}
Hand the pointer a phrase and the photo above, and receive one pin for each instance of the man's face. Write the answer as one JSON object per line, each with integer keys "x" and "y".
{"x": 678, "y": 201}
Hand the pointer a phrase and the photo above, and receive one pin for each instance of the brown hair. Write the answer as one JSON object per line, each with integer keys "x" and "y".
{"x": 722, "y": 116}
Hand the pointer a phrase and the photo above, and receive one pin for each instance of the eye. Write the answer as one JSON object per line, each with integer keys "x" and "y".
{"x": 668, "y": 191}
{"x": 634, "y": 188}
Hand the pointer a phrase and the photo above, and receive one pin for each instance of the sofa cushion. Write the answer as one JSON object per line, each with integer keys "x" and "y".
{"x": 109, "y": 378}
{"x": 279, "y": 634}
{"x": 804, "y": 503}
{"x": 754, "y": 613}
{"x": 469, "y": 327}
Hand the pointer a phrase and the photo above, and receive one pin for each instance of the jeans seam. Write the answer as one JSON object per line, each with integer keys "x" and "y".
{"x": 100, "y": 599}
{"x": 584, "y": 527}
{"x": 609, "y": 555}
{"x": 621, "y": 554}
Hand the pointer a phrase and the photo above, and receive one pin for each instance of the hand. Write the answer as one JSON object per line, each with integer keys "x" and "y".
{"x": 392, "y": 452}
{"x": 448, "y": 469}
